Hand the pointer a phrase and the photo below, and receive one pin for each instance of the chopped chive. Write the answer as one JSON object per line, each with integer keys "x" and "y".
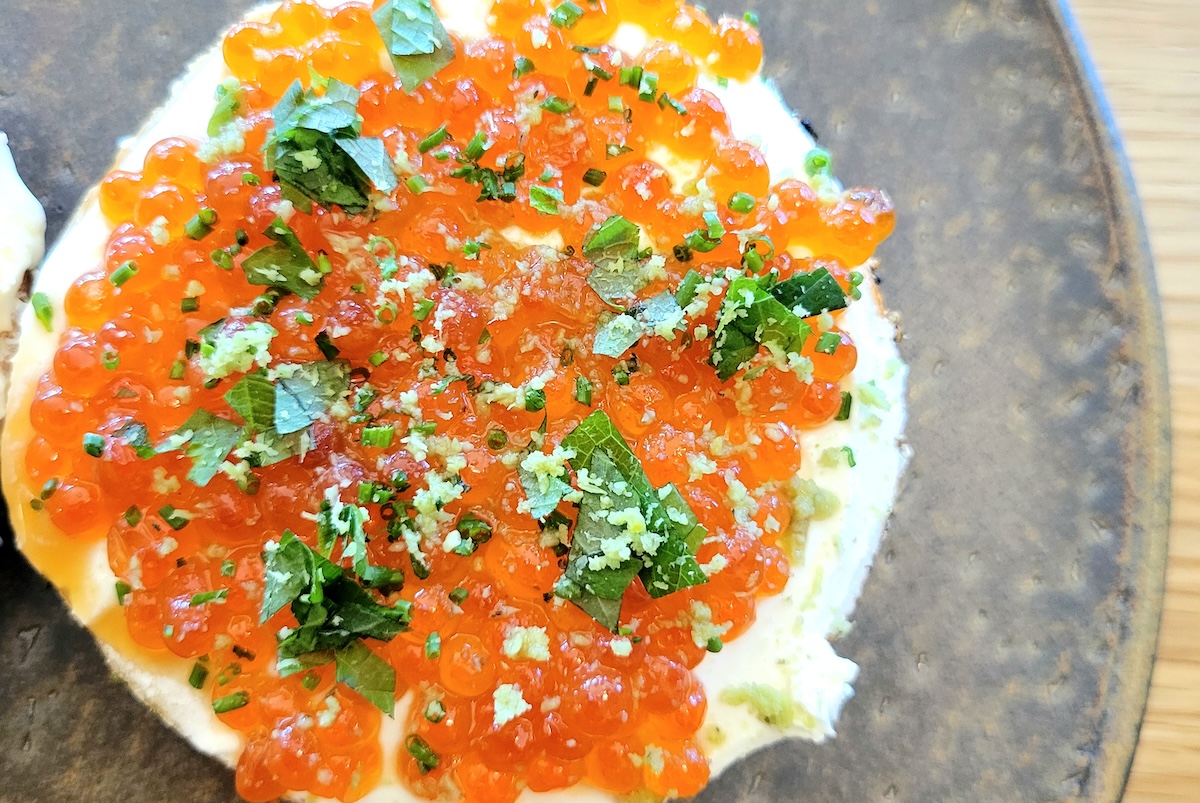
{"x": 682, "y": 253}
{"x": 522, "y": 67}
{"x": 201, "y": 224}
{"x": 310, "y": 681}
{"x": 42, "y": 310}
{"x": 174, "y": 518}
{"x": 476, "y": 148}
{"x": 241, "y": 237}
{"x": 753, "y": 261}
{"x": 849, "y": 456}
{"x": 472, "y": 248}
{"x": 222, "y": 259}
{"x": 133, "y": 516}
{"x": 49, "y": 488}
{"x": 616, "y": 104}
{"x": 205, "y": 597}
{"x": 594, "y": 178}
{"x": 844, "y": 410}
{"x": 37, "y": 504}
{"x": 592, "y": 84}
{"x": 566, "y": 15}
{"x": 497, "y": 439}
{"x": 419, "y": 749}
{"x": 632, "y": 76}
{"x": 110, "y": 360}
{"x": 556, "y": 105}
{"x": 433, "y": 645}
{"x": 599, "y": 72}
{"x": 380, "y": 436}
{"x": 243, "y": 653}
{"x": 123, "y": 590}
{"x": 648, "y": 87}
{"x": 125, "y": 272}
{"x": 714, "y": 644}
{"x": 231, "y": 702}
{"x": 485, "y": 337}
{"x": 422, "y": 309}
{"x": 435, "y": 712}
{"x": 817, "y": 163}
{"x": 433, "y": 140}
{"x": 189, "y": 304}
{"x": 716, "y": 230}
{"x": 459, "y": 595}
{"x": 93, "y": 444}
{"x": 742, "y": 202}
{"x": 304, "y": 319}
{"x": 416, "y": 184}
{"x": 751, "y": 18}
{"x": 228, "y": 568}
{"x": 665, "y": 100}
{"x": 583, "y": 390}
{"x": 251, "y": 180}
{"x": 378, "y": 358}
{"x": 545, "y": 199}
{"x": 198, "y": 676}
{"x": 426, "y": 428}
{"x": 323, "y": 263}
{"x": 178, "y": 369}
{"x": 535, "y": 399}
{"x": 325, "y": 344}
{"x": 828, "y": 343}
{"x": 614, "y": 150}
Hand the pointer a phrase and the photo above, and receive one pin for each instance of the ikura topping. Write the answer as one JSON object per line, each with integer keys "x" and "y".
{"x": 424, "y": 379}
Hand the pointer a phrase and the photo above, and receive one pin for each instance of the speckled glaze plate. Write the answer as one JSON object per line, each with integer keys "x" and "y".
{"x": 1007, "y": 631}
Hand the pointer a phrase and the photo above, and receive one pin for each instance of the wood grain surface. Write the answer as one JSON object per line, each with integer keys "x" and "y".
{"x": 1148, "y": 56}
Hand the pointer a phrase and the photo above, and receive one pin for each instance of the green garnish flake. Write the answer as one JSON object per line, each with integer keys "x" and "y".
{"x": 742, "y": 203}
{"x": 42, "y": 310}
{"x": 545, "y": 199}
{"x": 556, "y": 105}
{"x": 231, "y": 702}
{"x": 285, "y": 264}
{"x": 378, "y": 436}
{"x": 497, "y": 439}
{"x": 205, "y": 597}
{"x": 687, "y": 288}
{"x": 317, "y": 153}
{"x": 198, "y": 676}
{"x": 566, "y": 15}
{"x": 201, "y": 224}
{"x": 433, "y": 646}
{"x": 818, "y": 163}
{"x": 124, "y": 272}
{"x": 415, "y": 39}
{"x": 175, "y": 519}
{"x": 422, "y": 753}
{"x": 473, "y": 531}
{"x": 583, "y": 390}
{"x": 229, "y": 97}
{"x": 93, "y": 444}
{"x": 433, "y": 140}
{"x": 522, "y": 67}
{"x": 305, "y": 395}
{"x": 123, "y": 589}
{"x": 828, "y": 343}
{"x": 189, "y": 304}
{"x": 535, "y": 400}
{"x": 844, "y": 411}
{"x": 435, "y": 711}
{"x": 459, "y": 595}
{"x": 594, "y": 178}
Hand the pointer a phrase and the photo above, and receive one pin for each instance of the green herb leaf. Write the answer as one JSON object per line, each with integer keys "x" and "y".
{"x": 285, "y": 264}
{"x": 253, "y": 398}
{"x": 230, "y": 97}
{"x": 545, "y": 199}
{"x": 368, "y": 674}
{"x": 808, "y": 294}
{"x": 43, "y": 310}
{"x": 305, "y": 396}
{"x": 207, "y": 439}
{"x": 371, "y": 157}
{"x": 619, "y": 334}
{"x": 415, "y": 39}
{"x": 750, "y": 317}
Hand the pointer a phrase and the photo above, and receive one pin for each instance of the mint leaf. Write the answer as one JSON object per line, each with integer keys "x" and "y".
{"x": 289, "y": 571}
{"x": 137, "y": 436}
{"x": 253, "y": 398}
{"x": 749, "y": 317}
{"x": 613, "y": 248}
{"x": 207, "y": 440}
{"x": 415, "y": 39}
{"x": 371, "y": 157}
{"x": 672, "y": 568}
{"x": 305, "y": 396}
{"x": 368, "y": 674}
{"x": 619, "y": 334}
{"x": 809, "y": 294}
{"x": 285, "y": 265}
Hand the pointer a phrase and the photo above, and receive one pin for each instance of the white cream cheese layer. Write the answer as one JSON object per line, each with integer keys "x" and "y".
{"x": 788, "y": 649}
{"x": 22, "y": 243}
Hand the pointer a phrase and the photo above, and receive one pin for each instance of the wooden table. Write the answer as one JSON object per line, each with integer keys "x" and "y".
{"x": 1148, "y": 55}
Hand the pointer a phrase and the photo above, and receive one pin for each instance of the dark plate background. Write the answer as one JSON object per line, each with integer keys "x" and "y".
{"x": 1007, "y": 631}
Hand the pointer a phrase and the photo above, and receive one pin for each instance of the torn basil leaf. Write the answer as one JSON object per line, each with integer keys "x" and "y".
{"x": 285, "y": 264}
{"x": 751, "y": 317}
{"x": 305, "y": 394}
{"x": 415, "y": 39}
{"x": 808, "y": 294}
{"x": 207, "y": 440}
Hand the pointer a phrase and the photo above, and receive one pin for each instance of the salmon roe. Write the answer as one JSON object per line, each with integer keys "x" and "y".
{"x": 463, "y": 313}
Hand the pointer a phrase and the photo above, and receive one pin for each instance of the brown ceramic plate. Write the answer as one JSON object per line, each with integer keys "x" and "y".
{"x": 1007, "y": 631}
